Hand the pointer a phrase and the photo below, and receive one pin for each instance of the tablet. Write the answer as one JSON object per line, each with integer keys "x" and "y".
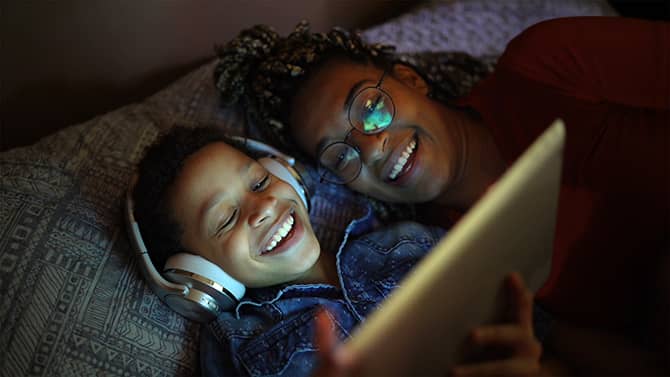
{"x": 421, "y": 327}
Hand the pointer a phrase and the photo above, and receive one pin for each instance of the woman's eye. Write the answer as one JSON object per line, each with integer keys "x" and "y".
{"x": 374, "y": 104}
{"x": 342, "y": 161}
{"x": 226, "y": 223}
{"x": 376, "y": 116}
{"x": 262, "y": 184}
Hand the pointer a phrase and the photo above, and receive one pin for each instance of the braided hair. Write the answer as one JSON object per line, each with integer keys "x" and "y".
{"x": 261, "y": 71}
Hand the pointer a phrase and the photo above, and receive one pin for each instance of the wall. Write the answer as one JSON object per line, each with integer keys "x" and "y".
{"x": 65, "y": 61}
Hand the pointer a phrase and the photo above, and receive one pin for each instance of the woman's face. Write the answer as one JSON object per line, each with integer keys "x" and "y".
{"x": 237, "y": 215}
{"x": 413, "y": 160}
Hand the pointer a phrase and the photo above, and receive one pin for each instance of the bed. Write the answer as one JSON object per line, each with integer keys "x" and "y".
{"x": 73, "y": 300}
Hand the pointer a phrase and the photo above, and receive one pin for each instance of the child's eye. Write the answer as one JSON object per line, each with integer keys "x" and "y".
{"x": 225, "y": 224}
{"x": 262, "y": 184}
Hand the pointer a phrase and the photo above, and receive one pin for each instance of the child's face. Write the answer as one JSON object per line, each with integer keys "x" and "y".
{"x": 237, "y": 215}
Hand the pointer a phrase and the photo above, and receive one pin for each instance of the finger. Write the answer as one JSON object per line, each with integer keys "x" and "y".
{"x": 498, "y": 334}
{"x": 334, "y": 360}
{"x": 509, "y": 367}
{"x": 325, "y": 338}
{"x": 347, "y": 361}
{"x": 519, "y": 340}
{"x": 520, "y": 300}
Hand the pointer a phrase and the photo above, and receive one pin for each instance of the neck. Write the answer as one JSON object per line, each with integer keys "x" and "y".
{"x": 481, "y": 163}
{"x": 323, "y": 271}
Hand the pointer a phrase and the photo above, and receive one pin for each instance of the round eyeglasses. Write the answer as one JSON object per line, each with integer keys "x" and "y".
{"x": 370, "y": 111}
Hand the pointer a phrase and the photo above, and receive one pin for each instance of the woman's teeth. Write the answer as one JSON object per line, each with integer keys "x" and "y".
{"x": 402, "y": 160}
{"x": 281, "y": 233}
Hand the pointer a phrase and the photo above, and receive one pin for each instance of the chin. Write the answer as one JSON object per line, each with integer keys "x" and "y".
{"x": 427, "y": 189}
{"x": 396, "y": 195}
{"x": 311, "y": 255}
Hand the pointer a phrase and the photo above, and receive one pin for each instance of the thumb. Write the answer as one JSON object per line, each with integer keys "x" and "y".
{"x": 325, "y": 338}
{"x": 334, "y": 359}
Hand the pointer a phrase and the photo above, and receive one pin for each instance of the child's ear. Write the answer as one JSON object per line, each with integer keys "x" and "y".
{"x": 410, "y": 77}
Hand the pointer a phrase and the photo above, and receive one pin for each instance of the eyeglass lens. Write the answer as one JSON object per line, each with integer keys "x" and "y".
{"x": 371, "y": 111}
{"x": 342, "y": 160}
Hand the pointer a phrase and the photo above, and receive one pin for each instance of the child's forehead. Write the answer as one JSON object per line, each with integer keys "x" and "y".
{"x": 223, "y": 150}
{"x": 219, "y": 159}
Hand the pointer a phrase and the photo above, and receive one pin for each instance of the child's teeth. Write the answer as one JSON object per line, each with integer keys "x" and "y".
{"x": 281, "y": 233}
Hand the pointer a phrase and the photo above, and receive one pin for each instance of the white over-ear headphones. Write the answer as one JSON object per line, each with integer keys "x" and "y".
{"x": 191, "y": 285}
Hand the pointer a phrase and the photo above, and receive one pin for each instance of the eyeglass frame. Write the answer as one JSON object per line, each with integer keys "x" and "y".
{"x": 378, "y": 87}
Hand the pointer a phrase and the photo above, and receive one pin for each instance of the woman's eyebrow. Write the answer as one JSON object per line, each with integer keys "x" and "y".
{"x": 352, "y": 92}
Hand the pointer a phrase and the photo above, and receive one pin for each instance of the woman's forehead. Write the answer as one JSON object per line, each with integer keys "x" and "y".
{"x": 342, "y": 72}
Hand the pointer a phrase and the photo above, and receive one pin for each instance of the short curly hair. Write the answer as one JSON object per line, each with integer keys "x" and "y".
{"x": 159, "y": 168}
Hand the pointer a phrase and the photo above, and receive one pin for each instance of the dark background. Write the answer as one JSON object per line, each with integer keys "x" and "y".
{"x": 648, "y": 9}
{"x": 65, "y": 61}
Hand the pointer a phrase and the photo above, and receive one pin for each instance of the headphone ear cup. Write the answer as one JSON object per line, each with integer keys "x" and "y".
{"x": 284, "y": 171}
{"x": 206, "y": 281}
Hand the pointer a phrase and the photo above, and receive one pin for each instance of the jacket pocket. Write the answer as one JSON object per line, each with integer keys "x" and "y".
{"x": 287, "y": 348}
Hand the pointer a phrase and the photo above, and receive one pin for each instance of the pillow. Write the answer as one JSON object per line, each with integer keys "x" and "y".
{"x": 73, "y": 301}
{"x": 477, "y": 27}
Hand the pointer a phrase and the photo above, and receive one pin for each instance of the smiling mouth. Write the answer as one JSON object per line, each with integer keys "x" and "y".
{"x": 284, "y": 232}
{"x": 405, "y": 161}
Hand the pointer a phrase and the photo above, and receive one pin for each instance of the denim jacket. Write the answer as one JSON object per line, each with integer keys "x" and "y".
{"x": 271, "y": 332}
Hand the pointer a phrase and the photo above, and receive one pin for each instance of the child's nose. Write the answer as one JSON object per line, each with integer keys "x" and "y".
{"x": 264, "y": 209}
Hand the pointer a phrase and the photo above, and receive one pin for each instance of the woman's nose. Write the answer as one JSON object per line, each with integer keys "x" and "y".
{"x": 262, "y": 209}
{"x": 371, "y": 147}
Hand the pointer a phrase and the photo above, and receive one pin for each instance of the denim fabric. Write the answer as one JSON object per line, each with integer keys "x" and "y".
{"x": 271, "y": 331}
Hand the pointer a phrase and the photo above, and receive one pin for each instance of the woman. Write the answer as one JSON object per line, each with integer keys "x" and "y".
{"x": 197, "y": 193}
{"x": 385, "y": 130}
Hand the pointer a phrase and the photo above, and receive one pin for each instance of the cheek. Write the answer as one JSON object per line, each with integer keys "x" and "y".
{"x": 233, "y": 256}
{"x": 362, "y": 184}
{"x": 309, "y": 255}
{"x": 371, "y": 186}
